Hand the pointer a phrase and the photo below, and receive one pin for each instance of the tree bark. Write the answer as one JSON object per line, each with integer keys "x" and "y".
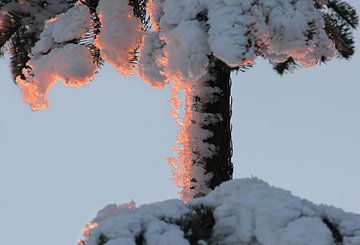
{"x": 211, "y": 116}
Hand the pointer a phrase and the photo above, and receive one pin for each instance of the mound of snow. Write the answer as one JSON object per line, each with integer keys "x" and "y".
{"x": 245, "y": 211}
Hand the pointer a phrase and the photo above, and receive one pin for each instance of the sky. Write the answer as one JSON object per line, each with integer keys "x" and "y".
{"x": 108, "y": 143}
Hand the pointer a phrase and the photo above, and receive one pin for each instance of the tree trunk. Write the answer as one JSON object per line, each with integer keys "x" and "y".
{"x": 210, "y": 133}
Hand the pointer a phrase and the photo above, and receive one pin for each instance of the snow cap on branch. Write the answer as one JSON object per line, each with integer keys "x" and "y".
{"x": 75, "y": 23}
{"x": 121, "y": 34}
{"x": 56, "y": 57}
{"x": 236, "y": 32}
{"x": 72, "y": 64}
{"x": 186, "y": 52}
{"x": 184, "y": 42}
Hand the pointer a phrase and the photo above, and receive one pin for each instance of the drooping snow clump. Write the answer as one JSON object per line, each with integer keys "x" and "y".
{"x": 72, "y": 64}
{"x": 121, "y": 34}
{"x": 246, "y": 211}
{"x": 56, "y": 57}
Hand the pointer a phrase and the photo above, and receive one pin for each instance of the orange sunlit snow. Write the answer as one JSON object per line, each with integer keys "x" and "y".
{"x": 108, "y": 212}
{"x": 182, "y": 163}
{"x": 119, "y": 40}
{"x": 71, "y": 64}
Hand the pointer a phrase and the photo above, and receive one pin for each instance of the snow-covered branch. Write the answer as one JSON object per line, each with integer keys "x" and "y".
{"x": 246, "y": 211}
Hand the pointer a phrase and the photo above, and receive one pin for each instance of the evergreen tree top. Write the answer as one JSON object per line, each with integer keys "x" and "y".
{"x": 184, "y": 35}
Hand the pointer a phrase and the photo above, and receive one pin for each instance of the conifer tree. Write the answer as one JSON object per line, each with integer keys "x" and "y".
{"x": 192, "y": 44}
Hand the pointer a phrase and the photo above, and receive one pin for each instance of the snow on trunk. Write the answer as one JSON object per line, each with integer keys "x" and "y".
{"x": 210, "y": 131}
{"x": 245, "y": 211}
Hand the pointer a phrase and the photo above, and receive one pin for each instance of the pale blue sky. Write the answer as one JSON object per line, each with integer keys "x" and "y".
{"x": 107, "y": 143}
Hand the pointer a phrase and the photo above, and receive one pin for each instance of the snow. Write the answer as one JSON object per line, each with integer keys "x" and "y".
{"x": 36, "y": 10}
{"x": 237, "y": 32}
{"x": 73, "y": 24}
{"x": 185, "y": 33}
{"x": 54, "y": 58}
{"x": 299, "y": 231}
{"x": 229, "y": 38}
{"x": 150, "y": 67}
{"x": 176, "y": 12}
{"x": 183, "y": 43}
{"x": 128, "y": 222}
{"x": 186, "y": 52}
{"x": 121, "y": 34}
{"x": 72, "y": 64}
{"x": 246, "y": 211}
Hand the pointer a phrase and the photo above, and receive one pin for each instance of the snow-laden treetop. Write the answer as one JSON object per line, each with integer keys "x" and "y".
{"x": 184, "y": 35}
{"x": 235, "y": 32}
{"x": 245, "y": 211}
